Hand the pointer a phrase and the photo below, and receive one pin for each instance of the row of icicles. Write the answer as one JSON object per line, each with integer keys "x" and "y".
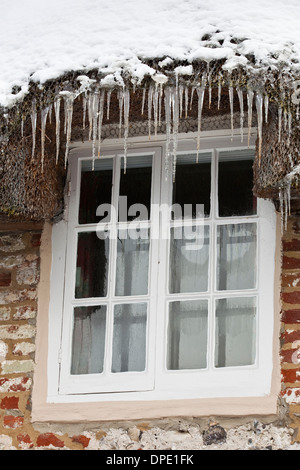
{"x": 176, "y": 100}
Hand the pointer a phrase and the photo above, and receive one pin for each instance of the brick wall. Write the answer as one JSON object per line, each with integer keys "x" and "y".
{"x": 19, "y": 277}
{"x": 290, "y": 321}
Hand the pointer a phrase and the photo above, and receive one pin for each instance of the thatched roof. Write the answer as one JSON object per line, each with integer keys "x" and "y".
{"x": 75, "y": 59}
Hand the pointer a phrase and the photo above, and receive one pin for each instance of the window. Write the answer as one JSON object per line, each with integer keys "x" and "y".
{"x": 168, "y": 289}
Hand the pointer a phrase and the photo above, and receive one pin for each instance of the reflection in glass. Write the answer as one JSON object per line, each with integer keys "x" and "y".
{"x": 198, "y": 176}
{"x": 135, "y": 184}
{"x": 189, "y": 257}
{"x": 235, "y": 183}
{"x": 235, "y": 332}
{"x": 92, "y": 265}
{"x": 88, "y": 340}
{"x": 95, "y": 189}
{"x": 236, "y": 256}
{"x": 187, "y": 335}
{"x": 129, "y": 337}
{"x": 132, "y": 262}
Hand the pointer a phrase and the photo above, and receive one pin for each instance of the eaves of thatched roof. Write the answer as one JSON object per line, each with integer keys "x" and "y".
{"x": 78, "y": 59}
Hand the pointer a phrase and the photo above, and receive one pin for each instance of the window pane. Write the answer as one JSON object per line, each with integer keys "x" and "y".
{"x": 187, "y": 334}
{"x": 135, "y": 185}
{"x": 88, "y": 340}
{"x": 132, "y": 262}
{"x": 189, "y": 256}
{"x": 95, "y": 189}
{"x": 236, "y": 257}
{"x": 235, "y": 332}
{"x": 129, "y": 338}
{"x": 92, "y": 265}
{"x": 235, "y": 183}
{"x": 192, "y": 183}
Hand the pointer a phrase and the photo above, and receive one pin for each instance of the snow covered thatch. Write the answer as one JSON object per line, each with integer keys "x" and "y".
{"x": 68, "y": 60}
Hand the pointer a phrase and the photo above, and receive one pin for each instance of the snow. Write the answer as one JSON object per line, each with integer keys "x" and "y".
{"x": 41, "y": 40}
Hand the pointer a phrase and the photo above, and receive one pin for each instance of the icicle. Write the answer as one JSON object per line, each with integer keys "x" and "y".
{"x": 100, "y": 119}
{"x": 241, "y": 101}
{"x": 209, "y": 91}
{"x": 176, "y": 107}
{"x": 126, "y": 124}
{"x": 150, "y": 99}
{"x": 84, "y": 106}
{"x": 160, "y": 103}
{"x": 285, "y": 119}
{"x": 108, "y": 104}
{"x": 180, "y": 90}
{"x": 44, "y": 114}
{"x": 22, "y": 126}
{"x": 230, "y": 91}
{"x": 266, "y": 103}
{"x": 168, "y": 129}
{"x": 192, "y": 96}
{"x": 155, "y": 108}
{"x": 33, "y": 117}
{"x": 57, "y": 124}
{"x": 50, "y": 113}
{"x": 250, "y": 106}
{"x": 290, "y": 118}
{"x": 200, "y": 92}
{"x": 279, "y": 123}
{"x": 143, "y": 100}
{"x": 90, "y": 102}
{"x": 281, "y": 209}
{"x": 121, "y": 104}
{"x": 219, "y": 92}
{"x": 68, "y": 102}
{"x": 186, "y": 98}
{"x": 259, "y": 110}
{"x": 95, "y": 107}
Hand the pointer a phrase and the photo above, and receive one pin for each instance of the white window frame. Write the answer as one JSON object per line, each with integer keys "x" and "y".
{"x": 246, "y": 381}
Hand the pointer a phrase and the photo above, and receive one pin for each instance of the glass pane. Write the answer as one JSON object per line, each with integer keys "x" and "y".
{"x": 135, "y": 188}
{"x": 189, "y": 257}
{"x": 95, "y": 189}
{"x": 92, "y": 265}
{"x": 235, "y": 332}
{"x": 236, "y": 178}
{"x": 236, "y": 257}
{"x": 129, "y": 338}
{"x": 187, "y": 334}
{"x": 132, "y": 262}
{"x": 88, "y": 340}
{"x": 197, "y": 191}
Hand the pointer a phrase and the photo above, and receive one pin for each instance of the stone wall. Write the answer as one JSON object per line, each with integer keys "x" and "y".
{"x": 19, "y": 277}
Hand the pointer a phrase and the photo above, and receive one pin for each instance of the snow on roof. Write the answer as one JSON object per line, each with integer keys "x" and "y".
{"x": 42, "y": 40}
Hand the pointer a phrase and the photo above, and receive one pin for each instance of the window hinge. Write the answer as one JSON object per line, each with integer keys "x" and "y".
{"x": 69, "y": 188}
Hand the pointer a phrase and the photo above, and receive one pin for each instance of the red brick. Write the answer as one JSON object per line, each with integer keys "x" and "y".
{"x": 291, "y": 297}
{"x": 9, "y": 403}
{"x": 81, "y": 439}
{"x": 289, "y": 375}
{"x": 13, "y": 421}
{"x": 25, "y": 441}
{"x": 48, "y": 439}
{"x": 290, "y": 262}
{"x": 290, "y": 356}
{"x": 5, "y": 279}
{"x": 290, "y": 336}
{"x": 290, "y": 280}
{"x": 292, "y": 245}
{"x": 291, "y": 316}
